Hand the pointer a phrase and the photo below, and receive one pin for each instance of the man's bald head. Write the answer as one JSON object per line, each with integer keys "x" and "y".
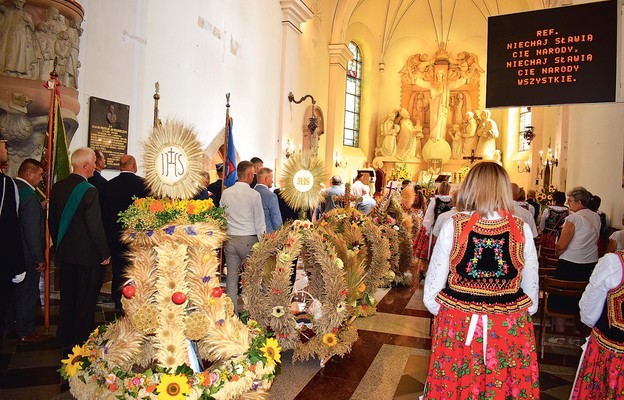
{"x": 127, "y": 163}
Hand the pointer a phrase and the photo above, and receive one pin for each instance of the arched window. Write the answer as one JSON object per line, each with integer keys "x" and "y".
{"x": 525, "y": 120}
{"x": 353, "y": 98}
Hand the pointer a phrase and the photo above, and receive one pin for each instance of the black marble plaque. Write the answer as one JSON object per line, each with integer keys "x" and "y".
{"x": 108, "y": 129}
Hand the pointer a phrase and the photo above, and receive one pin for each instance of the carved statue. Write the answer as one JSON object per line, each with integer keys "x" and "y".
{"x": 414, "y": 149}
{"x": 45, "y": 51}
{"x": 74, "y": 32}
{"x": 55, "y": 20}
{"x": 457, "y": 142}
{"x": 406, "y": 133}
{"x": 16, "y": 40}
{"x": 310, "y": 139}
{"x": 438, "y": 106}
{"x": 469, "y": 136}
{"x": 416, "y": 66}
{"x": 457, "y": 105}
{"x": 389, "y": 131}
{"x": 17, "y": 128}
{"x": 487, "y": 140}
{"x": 62, "y": 49}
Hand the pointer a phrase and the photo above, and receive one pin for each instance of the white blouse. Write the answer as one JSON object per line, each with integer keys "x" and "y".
{"x": 583, "y": 248}
{"x": 607, "y": 275}
{"x": 437, "y": 274}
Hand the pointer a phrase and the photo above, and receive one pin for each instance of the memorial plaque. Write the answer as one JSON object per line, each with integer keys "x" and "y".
{"x": 562, "y": 55}
{"x": 108, "y": 129}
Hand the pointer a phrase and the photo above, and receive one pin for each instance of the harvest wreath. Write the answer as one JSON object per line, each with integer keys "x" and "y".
{"x": 364, "y": 252}
{"x": 320, "y": 327}
{"x": 177, "y": 317}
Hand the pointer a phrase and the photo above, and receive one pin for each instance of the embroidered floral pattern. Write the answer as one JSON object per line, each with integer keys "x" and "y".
{"x": 507, "y": 370}
{"x": 480, "y": 245}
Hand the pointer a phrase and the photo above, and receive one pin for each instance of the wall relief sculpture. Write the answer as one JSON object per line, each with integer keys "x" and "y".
{"x": 32, "y": 35}
{"x": 437, "y": 91}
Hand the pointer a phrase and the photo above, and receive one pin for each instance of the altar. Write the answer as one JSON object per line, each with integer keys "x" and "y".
{"x": 437, "y": 128}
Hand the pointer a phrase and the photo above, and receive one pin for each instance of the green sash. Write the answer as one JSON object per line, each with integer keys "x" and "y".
{"x": 25, "y": 191}
{"x": 70, "y": 208}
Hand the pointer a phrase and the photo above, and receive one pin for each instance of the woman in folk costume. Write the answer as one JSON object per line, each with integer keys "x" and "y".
{"x": 413, "y": 204}
{"x": 439, "y": 204}
{"x": 482, "y": 286}
{"x": 601, "y": 371}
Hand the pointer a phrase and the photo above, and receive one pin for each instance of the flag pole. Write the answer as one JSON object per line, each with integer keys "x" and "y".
{"x": 48, "y": 187}
{"x": 225, "y": 152}
{"x": 156, "y": 98}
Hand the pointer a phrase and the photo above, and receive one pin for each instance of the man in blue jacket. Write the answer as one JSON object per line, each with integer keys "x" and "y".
{"x": 270, "y": 203}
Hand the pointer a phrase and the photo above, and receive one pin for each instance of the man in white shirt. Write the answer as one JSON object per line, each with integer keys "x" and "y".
{"x": 245, "y": 220}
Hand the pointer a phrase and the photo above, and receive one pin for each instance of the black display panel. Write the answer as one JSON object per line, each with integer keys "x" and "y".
{"x": 564, "y": 55}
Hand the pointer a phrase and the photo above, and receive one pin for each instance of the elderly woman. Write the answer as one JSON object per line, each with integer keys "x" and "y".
{"x": 482, "y": 287}
{"x": 601, "y": 373}
{"x": 578, "y": 243}
{"x": 578, "y": 249}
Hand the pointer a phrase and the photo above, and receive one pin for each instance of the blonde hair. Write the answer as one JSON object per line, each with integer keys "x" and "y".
{"x": 486, "y": 189}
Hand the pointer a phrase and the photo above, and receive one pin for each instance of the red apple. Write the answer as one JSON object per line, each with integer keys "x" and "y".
{"x": 178, "y": 298}
{"x": 128, "y": 291}
{"x": 217, "y": 292}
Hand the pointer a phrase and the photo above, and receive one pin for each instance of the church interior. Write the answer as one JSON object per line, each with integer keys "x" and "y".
{"x": 396, "y": 85}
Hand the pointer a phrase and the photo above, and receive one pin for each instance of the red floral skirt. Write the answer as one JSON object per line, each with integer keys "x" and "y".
{"x": 421, "y": 244}
{"x": 461, "y": 371}
{"x": 601, "y": 373}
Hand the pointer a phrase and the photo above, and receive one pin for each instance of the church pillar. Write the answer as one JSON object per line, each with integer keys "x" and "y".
{"x": 294, "y": 13}
{"x": 339, "y": 56}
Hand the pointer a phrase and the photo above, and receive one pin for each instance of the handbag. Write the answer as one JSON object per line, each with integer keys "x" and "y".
{"x": 549, "y": 239}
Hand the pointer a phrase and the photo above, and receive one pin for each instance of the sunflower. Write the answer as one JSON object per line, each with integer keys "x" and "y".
{"x": 173, "y": 387}
{"x": 330, "y": 339}
{"x": 271, "y": 351}
{"x": 73, "y": 364}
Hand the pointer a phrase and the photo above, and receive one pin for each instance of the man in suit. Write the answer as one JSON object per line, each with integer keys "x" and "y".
{"x": 97, "y": 179}
{"x": 217, "y": 187}
{"x": 32, "y": 223}
{"x": 12, "y": 269}
{"x": 117, "y": 198}
{"x": 79, "y": 239}
{"x": 257, "y": 164}
{"x": 204, "y": 193}
{"x": 270, "y": 203}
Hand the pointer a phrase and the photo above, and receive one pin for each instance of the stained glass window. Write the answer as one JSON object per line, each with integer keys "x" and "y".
{"x": 353, "y": 98}
{"x": 525, "y": 120}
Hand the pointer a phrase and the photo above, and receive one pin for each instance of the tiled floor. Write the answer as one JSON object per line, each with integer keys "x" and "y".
{"x": 389, "y": 361}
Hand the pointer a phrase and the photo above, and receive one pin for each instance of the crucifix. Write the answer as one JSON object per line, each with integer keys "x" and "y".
{"x": 390, "y": 189}
{"x": 346, "y": 198}
{"x": 472, "y": 157}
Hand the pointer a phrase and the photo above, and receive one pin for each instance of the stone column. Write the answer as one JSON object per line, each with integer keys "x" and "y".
{"x": 339, "y": 56}
{"x": 294, "y": 13}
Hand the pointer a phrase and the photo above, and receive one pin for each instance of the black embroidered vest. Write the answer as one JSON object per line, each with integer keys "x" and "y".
{"x": 485, "y": 270}
{"x": 440, "y": 207}
{"x": 555, "y": 220}
{"x": 609, "y": 329}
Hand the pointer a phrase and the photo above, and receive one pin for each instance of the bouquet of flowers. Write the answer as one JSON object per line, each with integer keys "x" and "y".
{"x": 150, "y": 213}
{"x": 544, "y": 196}
{"x": 93, "y": 376}
{"x": 400, "y": 173}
